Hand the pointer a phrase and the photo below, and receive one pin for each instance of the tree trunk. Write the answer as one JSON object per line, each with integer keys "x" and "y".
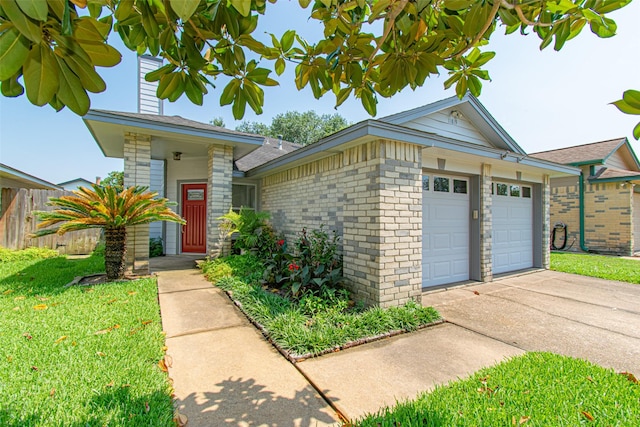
{"x": 114, "y": 252}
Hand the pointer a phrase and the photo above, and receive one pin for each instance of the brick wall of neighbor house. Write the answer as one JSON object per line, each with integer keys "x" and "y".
{"x": 220, "y": 173}
{"x": 564, "y": 207}
{"x": 137, "y": 171}
{"x": 374, "y": 201}
{"x": 608, "y": 223}
{"x": 608, "y": 218}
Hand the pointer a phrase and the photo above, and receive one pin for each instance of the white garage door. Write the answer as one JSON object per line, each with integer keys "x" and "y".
{"x": 512, "y": 233}
{"x": 636, "y": 221}
{"x": 445, "y": 228}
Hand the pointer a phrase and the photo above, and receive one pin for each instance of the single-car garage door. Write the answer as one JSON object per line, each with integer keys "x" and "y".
{"x": 512, "y": 232}
{"x": 636, "y": 221}
{"x": 445, "y": 228}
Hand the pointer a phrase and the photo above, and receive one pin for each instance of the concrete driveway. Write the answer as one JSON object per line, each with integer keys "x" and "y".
{"x": 594, "y": 319}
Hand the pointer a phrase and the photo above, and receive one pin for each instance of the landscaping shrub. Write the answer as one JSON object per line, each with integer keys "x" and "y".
{"x": 253, "y": 233}
{"x": 316, "y": 265}
{"x": 216, "y": 270}
{"x": 9, "y": 255}
{"x": 156, "y": 247}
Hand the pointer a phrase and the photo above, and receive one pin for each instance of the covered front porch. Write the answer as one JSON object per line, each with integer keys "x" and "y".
{"x": 190, "y": 163}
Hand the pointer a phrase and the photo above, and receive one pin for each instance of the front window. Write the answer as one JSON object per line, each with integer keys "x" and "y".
{"x": 243, "y": 196}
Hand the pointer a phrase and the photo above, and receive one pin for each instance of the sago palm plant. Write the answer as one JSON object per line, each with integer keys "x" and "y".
{"x": 104, "y": 207}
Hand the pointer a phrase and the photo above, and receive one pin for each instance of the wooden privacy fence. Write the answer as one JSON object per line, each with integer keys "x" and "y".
{"x": 17, "y": 222}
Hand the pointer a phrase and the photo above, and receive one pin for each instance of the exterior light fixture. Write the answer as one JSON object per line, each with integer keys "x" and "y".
{"x": 176, "y": 155}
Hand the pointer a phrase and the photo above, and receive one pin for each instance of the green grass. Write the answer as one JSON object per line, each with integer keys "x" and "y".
{"x": 79, "y": 356}
{"x": 310, "y": 325}
{"x": 537, "y": 389}
{"x": 603, "y": 267}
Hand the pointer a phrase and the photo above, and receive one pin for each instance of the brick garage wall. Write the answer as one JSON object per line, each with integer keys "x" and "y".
{"x": 608, "y": 223}
{"x": 608, "y": 218}
{"x": 371, "y": 196}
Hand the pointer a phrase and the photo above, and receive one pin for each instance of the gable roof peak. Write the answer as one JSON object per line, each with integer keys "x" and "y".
{"x": 475, "y": 112}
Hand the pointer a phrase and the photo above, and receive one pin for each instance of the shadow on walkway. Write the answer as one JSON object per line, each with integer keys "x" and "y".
{"x": 247, "y": 403}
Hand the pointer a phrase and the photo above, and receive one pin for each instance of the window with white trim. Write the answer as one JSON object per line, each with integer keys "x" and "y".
{"x": 243, "y": 196}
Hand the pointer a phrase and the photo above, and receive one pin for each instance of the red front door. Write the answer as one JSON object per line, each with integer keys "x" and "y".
{"x": 194, "y": 211}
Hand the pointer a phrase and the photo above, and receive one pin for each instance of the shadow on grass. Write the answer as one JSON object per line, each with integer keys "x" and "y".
{"x": 114, "y": 406}
{"x": 246, "y": 402}
{"x": 49, "y": 276}
{"x": 29, "y": 420}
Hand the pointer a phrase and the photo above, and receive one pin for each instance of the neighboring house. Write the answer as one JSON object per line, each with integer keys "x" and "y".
{"x": 604, "y": 202}
{"x": 13, "y": 178}
{"x": 424, "y": 198}
{"x": 74, "y": 184}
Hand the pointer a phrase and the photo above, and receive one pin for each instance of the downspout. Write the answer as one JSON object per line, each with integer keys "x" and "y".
{"x": 581, "y": 191}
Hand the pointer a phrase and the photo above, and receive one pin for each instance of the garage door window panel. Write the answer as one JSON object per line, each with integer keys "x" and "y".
{"x": 441, "y": 184}
{"x": 460, "y": 186}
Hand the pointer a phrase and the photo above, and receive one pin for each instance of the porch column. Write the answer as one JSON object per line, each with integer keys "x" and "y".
{"x": 137, "y": 171}
{"x": 219, "y": 175}
{"x": 546, "y": 222}
{"x": 486, "y": 262}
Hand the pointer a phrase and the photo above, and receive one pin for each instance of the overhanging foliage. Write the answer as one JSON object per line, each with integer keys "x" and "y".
{"x": 370, "y": 48}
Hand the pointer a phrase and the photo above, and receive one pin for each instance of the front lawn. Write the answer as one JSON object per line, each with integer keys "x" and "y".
{"x": 603, "y": 267}
{"x": 78, "y": 355}
{"x": 313, "y": 323}
{"x": 536, "y": 389}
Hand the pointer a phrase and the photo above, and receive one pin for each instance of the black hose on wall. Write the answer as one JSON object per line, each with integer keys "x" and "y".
{"x": 559, "y": 226}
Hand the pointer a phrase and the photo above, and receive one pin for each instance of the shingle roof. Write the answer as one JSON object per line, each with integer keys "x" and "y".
{"x": 266, "y": 153}
{"x": 609, "y": 173}
{"x": 175, "y": 121}
{"x": 593, "y": 152}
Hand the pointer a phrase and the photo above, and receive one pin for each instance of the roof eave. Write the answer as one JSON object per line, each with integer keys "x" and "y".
{"x": 627, "y": 178}
{"x": 373, "y": 129}
{"x": 105, "y": 117}
{"x": 25, "y": 177}
{"x": 587, "y": 162}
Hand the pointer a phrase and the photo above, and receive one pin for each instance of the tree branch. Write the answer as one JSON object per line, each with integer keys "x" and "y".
{"x": 485, "y": 27}
{"x": 390, "y": 19}
{"x": 525, "y": 20}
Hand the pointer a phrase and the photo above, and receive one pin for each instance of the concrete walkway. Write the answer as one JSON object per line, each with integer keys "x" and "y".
{"x": 223, "y": 371}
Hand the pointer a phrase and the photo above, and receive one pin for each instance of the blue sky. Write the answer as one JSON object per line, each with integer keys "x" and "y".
{"x": 545, "y": 99}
